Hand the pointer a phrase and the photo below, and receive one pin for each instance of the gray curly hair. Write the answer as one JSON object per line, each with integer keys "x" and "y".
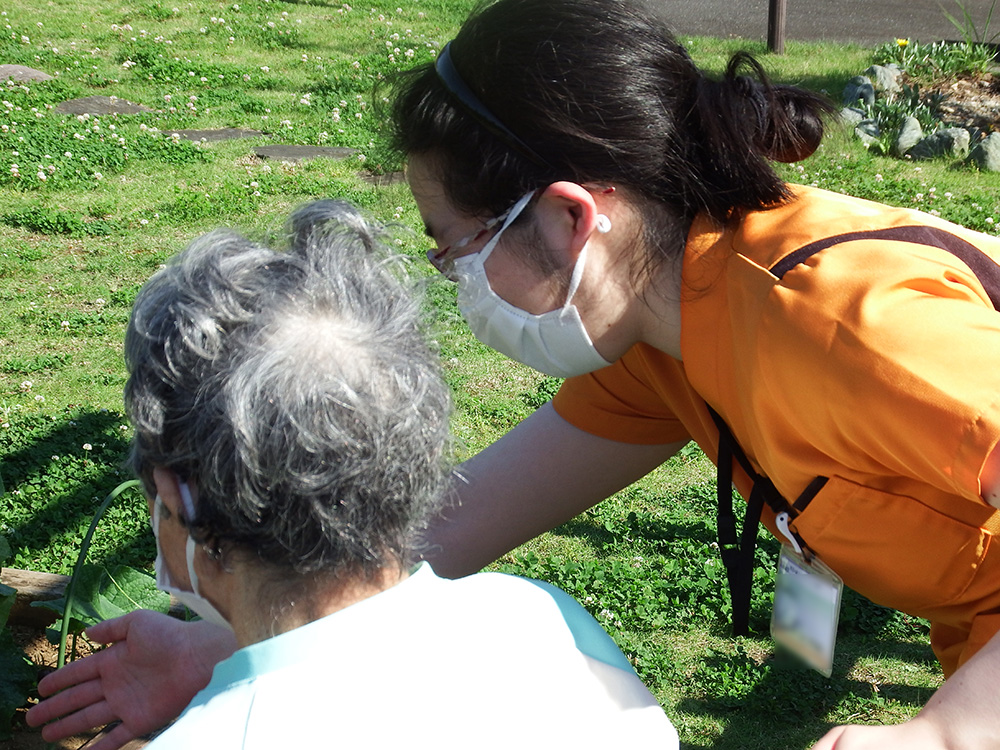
{"x": 300, "y": 391}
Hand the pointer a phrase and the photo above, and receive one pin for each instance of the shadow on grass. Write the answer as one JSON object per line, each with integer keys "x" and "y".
{"x": 789, "y": 706}
{"x": 774, "y": 703}
{"x": 56, "y": 471}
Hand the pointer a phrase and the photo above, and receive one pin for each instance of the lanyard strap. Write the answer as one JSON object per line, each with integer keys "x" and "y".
{"x": 738, "y": 552}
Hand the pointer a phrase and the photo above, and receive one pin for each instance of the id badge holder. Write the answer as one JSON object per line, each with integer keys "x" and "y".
{"x": 806, "y": 604}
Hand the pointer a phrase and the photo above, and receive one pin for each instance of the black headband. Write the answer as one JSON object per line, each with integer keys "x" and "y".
{"x": 452, "y": 80}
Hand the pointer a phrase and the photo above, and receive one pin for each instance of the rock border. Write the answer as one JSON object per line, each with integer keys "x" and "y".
{"x": 910, "y": 141}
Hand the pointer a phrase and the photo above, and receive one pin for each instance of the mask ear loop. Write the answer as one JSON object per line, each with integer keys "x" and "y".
{"x": 603, "y": 226}
{"x": 191, "y": 545}
{"x": 186, "y": 499}
{"x": 515, "y": 211}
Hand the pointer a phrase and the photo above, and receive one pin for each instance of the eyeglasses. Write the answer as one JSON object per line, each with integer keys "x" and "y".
{"x": 444, "y": 259}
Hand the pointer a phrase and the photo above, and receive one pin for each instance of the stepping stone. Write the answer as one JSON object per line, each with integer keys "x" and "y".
{"x": 382, "y": 180}
{"x": 21, "y": 73}
{"x": 296, "y": 154}
{"x": 101, "y": 105}
{"x": 218, "y": 134}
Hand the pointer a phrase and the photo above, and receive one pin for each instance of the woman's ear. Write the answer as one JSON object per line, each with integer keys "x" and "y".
{"x": 567, "y": 217}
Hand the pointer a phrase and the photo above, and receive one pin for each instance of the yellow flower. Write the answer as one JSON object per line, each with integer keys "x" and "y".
{"x": 902, "y": 42}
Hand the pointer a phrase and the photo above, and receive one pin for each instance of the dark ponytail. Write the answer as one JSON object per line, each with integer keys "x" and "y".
{"x": 743, "y": 122}
{"x": 603, "y": 92}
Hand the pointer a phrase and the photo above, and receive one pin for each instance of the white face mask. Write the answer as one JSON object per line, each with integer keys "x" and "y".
{"x": 193, "y": 600}
{"x": 555, "y": 343}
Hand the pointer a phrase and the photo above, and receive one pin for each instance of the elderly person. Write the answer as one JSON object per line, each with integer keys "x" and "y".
{"x": 291, "y": 427}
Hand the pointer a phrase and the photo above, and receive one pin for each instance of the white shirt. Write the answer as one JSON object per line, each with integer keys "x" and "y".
{"x": 487, "y": 661}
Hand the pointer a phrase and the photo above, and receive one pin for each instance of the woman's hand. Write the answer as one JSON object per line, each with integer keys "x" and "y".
{"x": 151, "y": 670}
{"x": 915, "y": 734}
{"x": 964, "y": 714}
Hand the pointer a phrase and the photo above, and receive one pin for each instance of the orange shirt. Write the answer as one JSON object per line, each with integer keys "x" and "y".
{"x": 874, "y": 362}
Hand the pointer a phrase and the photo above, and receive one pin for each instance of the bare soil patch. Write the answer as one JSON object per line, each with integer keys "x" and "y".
{"x": 45, "y": 656}
{"x": 971, "y": 102}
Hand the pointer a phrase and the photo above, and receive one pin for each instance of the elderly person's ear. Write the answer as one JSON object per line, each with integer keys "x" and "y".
{"x": 169, "y": 491}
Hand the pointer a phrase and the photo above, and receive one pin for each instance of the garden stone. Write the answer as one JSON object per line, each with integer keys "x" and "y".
{"x": 986, "y": 154}
{"x": 217, "y": 134}
{"x": 885, "y": 80}
{"x": 948, "y": 142}
{"x": 20, "y": 73}
{"x": 296, "y": 154}
{"x": 101, "y": 105}
{"x": 852, "y": 115}
{"x": 868, "y": 131}
{"x": 910, "y": 134}
{"x": 382, "y": 180}
{"x": 859, "y": 87}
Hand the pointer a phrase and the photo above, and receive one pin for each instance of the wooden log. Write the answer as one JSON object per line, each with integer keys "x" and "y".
{"x": 35, "y": 586}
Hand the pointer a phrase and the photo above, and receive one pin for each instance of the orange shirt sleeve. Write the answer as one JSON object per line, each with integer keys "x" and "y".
{"x": 630, "y": 401}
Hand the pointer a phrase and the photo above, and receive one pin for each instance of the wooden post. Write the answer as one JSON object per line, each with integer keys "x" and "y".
{"x": 776, "y": 27}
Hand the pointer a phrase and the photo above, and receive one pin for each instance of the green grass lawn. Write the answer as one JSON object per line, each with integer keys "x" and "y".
{"x": 90, "y": 207}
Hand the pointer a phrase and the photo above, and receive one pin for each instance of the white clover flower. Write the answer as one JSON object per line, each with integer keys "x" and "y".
{"x": 98, "y": 176}
{"x": 88, "y": 447}
{"x": 65, "y": 325}
{"x": 40, "y": 399}
{"x": 26, "y": 385}
{"x": 989, "y": 219}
